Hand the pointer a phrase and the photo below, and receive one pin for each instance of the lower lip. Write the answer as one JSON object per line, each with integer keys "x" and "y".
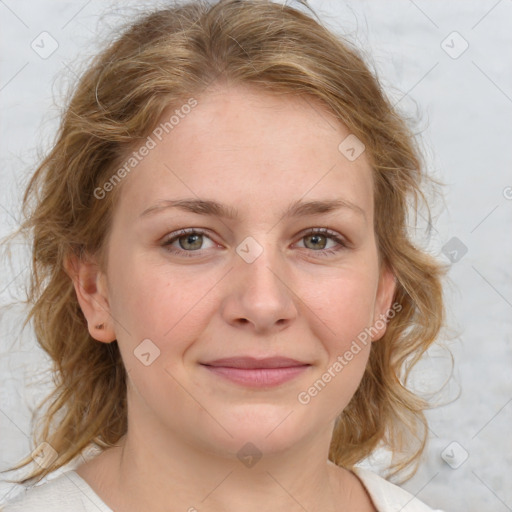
{"x": 258, "y": 377}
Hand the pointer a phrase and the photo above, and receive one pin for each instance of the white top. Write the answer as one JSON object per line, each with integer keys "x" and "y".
{"x": 71, "y": 493}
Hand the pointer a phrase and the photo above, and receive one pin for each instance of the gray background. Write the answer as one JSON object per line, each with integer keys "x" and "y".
{"x": 463, "y": 104}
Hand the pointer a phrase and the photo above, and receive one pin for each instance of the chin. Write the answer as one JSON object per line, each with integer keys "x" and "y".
{"x": 269, "y": 429}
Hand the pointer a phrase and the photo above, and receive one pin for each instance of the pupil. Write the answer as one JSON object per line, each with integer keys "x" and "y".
{"x": 195, "y": 241}
{"x": 191, "y": 239}
{"x": 315, "y": 239}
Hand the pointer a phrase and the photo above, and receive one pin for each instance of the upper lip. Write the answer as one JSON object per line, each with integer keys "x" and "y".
{"x": 253, "y": 362}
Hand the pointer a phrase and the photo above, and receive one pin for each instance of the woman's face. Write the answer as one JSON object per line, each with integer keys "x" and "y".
{"x": 255, "y": 284}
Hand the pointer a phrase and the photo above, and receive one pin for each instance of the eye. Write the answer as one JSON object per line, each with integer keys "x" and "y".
{"x": 317, "y": 240}
{"x": 188, "y": 240}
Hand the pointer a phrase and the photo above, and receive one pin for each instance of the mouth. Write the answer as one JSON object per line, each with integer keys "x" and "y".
{"x": 253, "y": 372}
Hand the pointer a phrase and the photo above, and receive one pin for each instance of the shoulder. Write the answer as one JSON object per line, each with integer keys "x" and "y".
{"x": 388, "y": 497}
{"x": 64, "y": 493}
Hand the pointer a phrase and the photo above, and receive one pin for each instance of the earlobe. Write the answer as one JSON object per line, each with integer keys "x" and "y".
{"x": 91, "y": 291}
{"x": 383, "y": 302}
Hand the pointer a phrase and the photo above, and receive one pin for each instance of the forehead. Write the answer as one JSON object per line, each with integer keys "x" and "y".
{"x": 251, "y": 149}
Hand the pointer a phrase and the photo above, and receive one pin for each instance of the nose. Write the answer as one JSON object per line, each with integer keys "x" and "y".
{"x": 260, "y": 297}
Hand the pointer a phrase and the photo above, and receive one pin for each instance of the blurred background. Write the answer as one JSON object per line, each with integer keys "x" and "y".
{"x": 446, "y": 66}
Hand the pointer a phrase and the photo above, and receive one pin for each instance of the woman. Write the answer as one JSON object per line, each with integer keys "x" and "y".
{"x": 223, "y": 274}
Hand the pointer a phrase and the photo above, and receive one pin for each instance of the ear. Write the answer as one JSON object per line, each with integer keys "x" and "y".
{"x": 91, "y": 290}
{"x": 383, "y": 302}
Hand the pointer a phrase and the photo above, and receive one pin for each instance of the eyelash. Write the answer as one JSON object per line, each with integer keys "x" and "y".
{"x": 198, "y": 231}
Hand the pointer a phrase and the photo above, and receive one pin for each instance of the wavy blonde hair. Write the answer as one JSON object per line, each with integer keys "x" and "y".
{"x": 160, "y": 59}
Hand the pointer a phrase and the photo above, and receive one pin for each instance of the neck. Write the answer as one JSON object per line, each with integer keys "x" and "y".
{"x": 154, "y": 468}
{"x": 135, "y": 474}
{"x": 205, "y": 482}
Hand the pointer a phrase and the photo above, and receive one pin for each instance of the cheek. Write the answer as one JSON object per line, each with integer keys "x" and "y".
{"x": 343, "y": 315}
{"x": 155, "y": 302}
{"x": 343, "y": 303}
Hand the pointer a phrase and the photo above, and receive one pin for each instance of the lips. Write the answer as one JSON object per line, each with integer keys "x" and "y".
{"x": 256, "y": 373}
{"x": 253, "y": 363}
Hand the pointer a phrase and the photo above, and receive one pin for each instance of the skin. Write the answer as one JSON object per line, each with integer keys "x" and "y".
{"x": 257, "y": 153}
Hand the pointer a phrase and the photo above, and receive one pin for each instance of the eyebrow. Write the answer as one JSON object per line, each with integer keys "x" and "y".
{"x": 298, "y": 208}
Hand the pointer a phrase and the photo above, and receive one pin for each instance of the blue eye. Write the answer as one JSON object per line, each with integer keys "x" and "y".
{"x": 190, "y": 242}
